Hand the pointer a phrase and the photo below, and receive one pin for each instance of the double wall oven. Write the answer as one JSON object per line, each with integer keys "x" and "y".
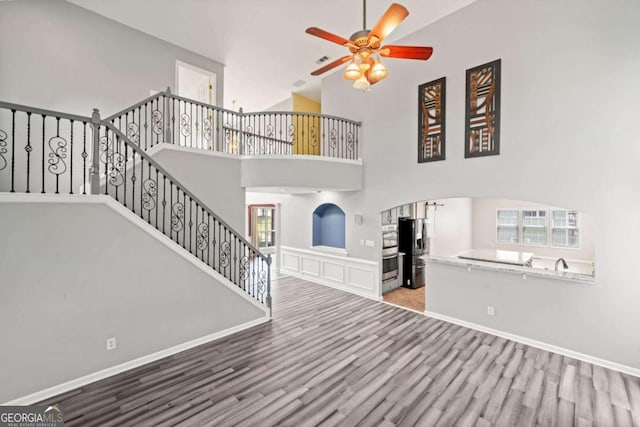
{"x": 389, "y": 253}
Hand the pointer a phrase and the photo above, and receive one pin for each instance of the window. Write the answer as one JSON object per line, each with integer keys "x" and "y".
{"x": 508, "y": 226}
{"x": 266, "y": 235}
{"x": 534, "y": 228}
{"x": 565, "y": 232}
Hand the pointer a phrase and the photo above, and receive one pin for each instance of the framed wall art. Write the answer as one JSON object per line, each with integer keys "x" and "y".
{"x": 482, "y": 111}
{"x": 431, "y": 120}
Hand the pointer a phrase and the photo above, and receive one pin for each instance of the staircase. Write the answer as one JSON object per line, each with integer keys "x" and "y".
{"x": 44, "y": 151}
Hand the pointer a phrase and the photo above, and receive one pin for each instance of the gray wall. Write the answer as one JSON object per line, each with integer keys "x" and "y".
{"x": 60, "y": 56}
{"x": 569, "y": 138}
{"x": 301, "y": 172}
{"x": 91, "y": 274}
{"x": 213, "y": 179}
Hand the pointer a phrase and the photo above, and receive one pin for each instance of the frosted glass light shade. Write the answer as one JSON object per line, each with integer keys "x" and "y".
{"x": 352, "y": 72}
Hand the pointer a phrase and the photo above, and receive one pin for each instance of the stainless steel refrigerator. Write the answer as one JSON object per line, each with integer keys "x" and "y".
{"x": 412, "y": 241}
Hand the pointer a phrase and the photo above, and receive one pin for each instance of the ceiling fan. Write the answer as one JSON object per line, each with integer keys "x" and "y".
{"x": 366, "y": 67}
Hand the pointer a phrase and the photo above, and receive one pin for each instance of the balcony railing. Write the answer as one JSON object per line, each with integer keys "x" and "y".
{"x": 167, "y": 118}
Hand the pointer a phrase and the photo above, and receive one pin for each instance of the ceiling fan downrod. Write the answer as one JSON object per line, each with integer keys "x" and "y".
{"x": 364, "y": 15}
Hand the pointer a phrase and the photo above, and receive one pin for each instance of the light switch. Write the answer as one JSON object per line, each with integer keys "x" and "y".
{"x": 369, "y": 243}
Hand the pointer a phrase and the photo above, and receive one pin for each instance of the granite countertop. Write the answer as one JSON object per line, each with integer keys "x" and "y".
{"x": 499, "y": 256}
{"x": 511, "y": 268}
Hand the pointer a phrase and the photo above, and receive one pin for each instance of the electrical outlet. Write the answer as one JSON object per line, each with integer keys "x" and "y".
{"x": 111, "y": 343}
{"x": 361, "y": 242}
{"x": 490, "y": 311}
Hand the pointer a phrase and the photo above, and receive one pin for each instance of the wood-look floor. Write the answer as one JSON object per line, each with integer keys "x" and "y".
{"x": 331, "y": 358}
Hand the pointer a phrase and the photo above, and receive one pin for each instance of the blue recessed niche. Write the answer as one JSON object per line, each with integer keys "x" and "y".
{"x": 329, "y": 226}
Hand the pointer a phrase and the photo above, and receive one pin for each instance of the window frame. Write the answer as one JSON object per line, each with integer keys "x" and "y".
{"x": 549, "y": 227}
{"x": 273, "y": 232}
{"x": 518, "y": 227}
{"x": 578, "y": 228}
{"x": 545, "y": 227}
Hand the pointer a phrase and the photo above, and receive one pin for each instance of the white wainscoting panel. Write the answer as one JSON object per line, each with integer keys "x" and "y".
{"x": 290, "y": 261}
{"x": 310, "y": 266}
{"x": 333, "y": 271}
{"x": 349, "y": 274}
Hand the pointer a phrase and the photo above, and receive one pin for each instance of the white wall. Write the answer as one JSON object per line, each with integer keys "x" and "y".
{"x": 569, "y": 138}
{"x": 452, "y": 230}
{"x": 60, "y": 56}
{"x": 484, "y": 229}
{"x": 92, "y": 274}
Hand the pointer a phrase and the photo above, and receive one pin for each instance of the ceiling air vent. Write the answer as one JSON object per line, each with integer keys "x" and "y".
{"x": 322, "y": 60}
{"x": 298, "y": 83}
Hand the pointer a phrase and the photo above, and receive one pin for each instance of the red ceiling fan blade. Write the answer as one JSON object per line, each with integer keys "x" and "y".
{"x": 389, "y": 21}
{"x": 332, "y": 65}
{"x": 315, "y": 31}
{"x": 406, "y": 52}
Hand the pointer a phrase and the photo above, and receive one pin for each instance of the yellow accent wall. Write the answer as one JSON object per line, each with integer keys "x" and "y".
{"x": 307, "y": 129}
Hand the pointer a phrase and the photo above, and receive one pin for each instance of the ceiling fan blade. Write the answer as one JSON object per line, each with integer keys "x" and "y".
{"x": 332, "y": 65}
{"x": 315, "y": 31}
{"x": 389, "y": 21}
{"x": 406, "y": 52}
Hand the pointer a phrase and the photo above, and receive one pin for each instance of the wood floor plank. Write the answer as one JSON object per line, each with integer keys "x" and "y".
{"x": 335, "y": 359}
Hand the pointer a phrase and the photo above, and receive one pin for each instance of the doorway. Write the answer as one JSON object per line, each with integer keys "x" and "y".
{"x": 195, "y": 83}
{"x": 404, "y": 252}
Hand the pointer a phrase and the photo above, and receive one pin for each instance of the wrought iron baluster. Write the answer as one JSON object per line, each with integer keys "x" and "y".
{"x": 156, "y": 207}
{"x": 190, "y": 124}
{"x": 146, "y": 126}
{"x": 134, "y": 178}
{"x": 190, "y": 225}
{"x": 164, "y": 204}
{"x": 105, "y": 140}
{"x": 209, "y": 261}
{"x": 141, "y": 180}
{"x": 171, "y": 208}
{"x": 43, "y": 150}
{"x": 84, "y": 158}
{"x": 184, "y": 228}
{"x": 71, "y": 156}
{"x": 28, "y": 149}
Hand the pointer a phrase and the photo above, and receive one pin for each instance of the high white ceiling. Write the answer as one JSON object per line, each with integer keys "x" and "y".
{"x": 262, "y": 42}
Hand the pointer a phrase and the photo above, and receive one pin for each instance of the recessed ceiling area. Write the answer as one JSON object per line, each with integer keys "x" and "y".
{"x": 263, "y": 44}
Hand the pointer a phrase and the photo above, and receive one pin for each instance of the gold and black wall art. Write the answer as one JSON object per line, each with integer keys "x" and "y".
{"x": 431, "y": 120}
{"x": 482, "y": 115}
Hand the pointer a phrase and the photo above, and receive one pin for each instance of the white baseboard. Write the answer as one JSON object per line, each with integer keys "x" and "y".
{"x": 114, "y": 370}
{"x": 538, "y": 344}
{"x": 287, "y": 272}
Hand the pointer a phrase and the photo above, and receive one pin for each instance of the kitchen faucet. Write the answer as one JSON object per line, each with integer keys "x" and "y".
{"x": 564, "y": 264}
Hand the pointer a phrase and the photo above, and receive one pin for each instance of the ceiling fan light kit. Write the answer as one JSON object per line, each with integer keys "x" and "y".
{"x": 365, "y": 67}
